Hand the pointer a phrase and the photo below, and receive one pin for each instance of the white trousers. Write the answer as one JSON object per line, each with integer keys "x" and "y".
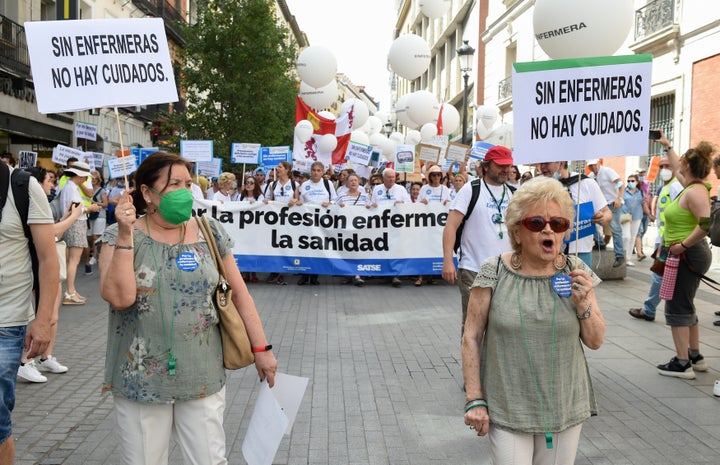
{"x": 508, "y": 448}
{"x": 196, "y": 425}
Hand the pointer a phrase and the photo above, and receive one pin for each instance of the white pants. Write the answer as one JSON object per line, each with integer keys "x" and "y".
{"x": 197, "y": 426}
{"x": 507, "y": 448}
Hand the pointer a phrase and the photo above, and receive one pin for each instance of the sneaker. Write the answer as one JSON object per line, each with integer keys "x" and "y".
{"x": 52, "y": 365}
{"x": 675, "y": 369}
{"x": 629, "y": 264}
{"x": 716, "y": 389}
{"x": 92, "y": 261}
{"x": 29, "y": 372}
{"x": 698, "y": 363}
{"x": 88, "y": 270}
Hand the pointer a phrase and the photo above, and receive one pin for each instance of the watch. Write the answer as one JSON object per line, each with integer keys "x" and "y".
{"x": 587, "y": 313}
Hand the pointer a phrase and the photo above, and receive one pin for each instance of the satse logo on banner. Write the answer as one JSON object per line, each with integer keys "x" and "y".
{"x": 95, "y": 63}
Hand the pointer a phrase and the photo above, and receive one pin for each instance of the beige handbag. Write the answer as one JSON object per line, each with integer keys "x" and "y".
{"x": 237, "y": 351}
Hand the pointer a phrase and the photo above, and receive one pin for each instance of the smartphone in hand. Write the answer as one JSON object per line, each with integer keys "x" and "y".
{"x": 654, "y": 134}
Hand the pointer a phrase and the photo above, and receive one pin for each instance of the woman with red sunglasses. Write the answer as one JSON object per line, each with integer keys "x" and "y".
{"x": 526, "y": 378}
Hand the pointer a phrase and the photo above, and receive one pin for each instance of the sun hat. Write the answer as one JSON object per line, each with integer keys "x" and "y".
{"x": 79, "y": 169}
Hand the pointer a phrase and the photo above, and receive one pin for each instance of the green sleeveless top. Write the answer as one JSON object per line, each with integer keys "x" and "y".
{"x": 679, "y": 222}
{"x": 506, "y": 376}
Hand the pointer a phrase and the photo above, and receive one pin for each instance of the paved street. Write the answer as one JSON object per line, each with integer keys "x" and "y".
{"x": 385, "y": 382}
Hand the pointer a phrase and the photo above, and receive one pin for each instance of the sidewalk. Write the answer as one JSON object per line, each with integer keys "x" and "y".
{"x": 385, "y": 382}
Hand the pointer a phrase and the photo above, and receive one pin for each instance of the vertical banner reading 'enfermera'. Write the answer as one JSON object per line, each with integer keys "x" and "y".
{"x": 583, "y": 108}
{"x": 401, "y": 240}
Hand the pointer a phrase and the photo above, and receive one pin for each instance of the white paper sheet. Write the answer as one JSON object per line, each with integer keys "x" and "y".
{"x": 274, "y": 415}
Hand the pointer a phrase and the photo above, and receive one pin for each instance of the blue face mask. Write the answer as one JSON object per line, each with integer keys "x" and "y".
{"x": 631, "y": 185}
{"x": 619, "y": 184}
{"x": 556, "y": 175}
{"x": 53, "y": 193}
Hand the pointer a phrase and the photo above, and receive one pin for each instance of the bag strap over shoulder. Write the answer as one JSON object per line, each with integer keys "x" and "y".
{"x": 206, "y": 229}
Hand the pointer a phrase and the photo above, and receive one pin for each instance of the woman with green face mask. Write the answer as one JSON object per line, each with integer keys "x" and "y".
{"x": 164, "y": 362}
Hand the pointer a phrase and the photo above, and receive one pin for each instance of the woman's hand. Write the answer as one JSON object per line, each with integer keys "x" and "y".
{"x": 676, "y": 249}
{"x": 479, "y": 420}
{"x": 125, "y": 213}
{"x": 582, "y": 287}
{"x": 266, "y": 366}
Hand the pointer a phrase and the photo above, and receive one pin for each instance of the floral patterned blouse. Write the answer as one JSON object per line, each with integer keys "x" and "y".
{"x": 173, "y": 312}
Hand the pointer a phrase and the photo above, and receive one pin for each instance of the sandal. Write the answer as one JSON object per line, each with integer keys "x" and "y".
{"x": 419, "y": 282}
{"x": 74, "y": 299}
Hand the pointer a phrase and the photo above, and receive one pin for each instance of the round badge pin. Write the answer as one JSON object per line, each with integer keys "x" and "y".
{"x": 186, "y": 261}
{"x": 562, "y": 285}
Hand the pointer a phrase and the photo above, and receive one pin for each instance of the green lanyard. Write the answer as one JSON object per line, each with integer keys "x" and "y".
{"x": 497, "y": 218}
{"x": 548, "y": 434}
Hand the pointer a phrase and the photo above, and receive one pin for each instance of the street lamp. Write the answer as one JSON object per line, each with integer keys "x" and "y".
{"x": 465, "y": 52}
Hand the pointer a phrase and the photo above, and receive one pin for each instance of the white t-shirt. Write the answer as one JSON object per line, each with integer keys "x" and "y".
{"x": 316, "y": 193}
{"x": 16, "y": 300}
{"x": 341, "y": 190}
{"x": 606, "y": 180}
{"x": 282, "y": 192}
{"x": 434, "y": 194}
{"x": 383, "y": 196}
{"x": 70, "y": 193}
{"x": 589, "y": 192}
{"x": 481, "y": 237}
{"x": 222, "y": 198}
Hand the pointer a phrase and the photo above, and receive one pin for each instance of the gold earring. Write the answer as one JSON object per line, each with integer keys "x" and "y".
{"x": 560, "y": 265}
{"x": 515, "y": 261}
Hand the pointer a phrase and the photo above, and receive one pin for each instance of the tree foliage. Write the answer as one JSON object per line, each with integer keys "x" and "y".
{"x": 236, "y": 75}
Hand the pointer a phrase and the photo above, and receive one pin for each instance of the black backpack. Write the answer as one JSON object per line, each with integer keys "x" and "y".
{"x": 20, "y": 183}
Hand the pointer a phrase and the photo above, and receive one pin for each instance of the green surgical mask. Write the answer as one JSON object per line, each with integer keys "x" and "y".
{"x": 176, "y": 206}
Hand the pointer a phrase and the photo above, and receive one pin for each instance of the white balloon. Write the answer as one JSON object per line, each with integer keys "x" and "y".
{"x": 397, "y": 137}
{"x": 482, "y": 131}
{"x": 501, "y": 135}
{"x": 360, "y": 137}
{"x": 450, "y": 118}
{"x": 401, "y": 112}
{"x": 377, "y": 140}
{"x": 388, "y": 147}
{"x": 409, "y": 56}
{"x": 413, "y": 137}
{"x": 327, "y": 143}
{"x": 360, "y": 111}
{"x": 434, "y": 8}
{"x": 365, "y": 127}
{"x": 375, "y": 124}
{"x": 317, "y": 66}
{"x": 582, "y": 28}
{"x": 327, "y": 114}
{"x": 422, "y": 107}
{"x": 320, "y": 98}
{"x": 486, "y": 115}
{"x": 427, "y": 132}
{"x": 304, "y": 130}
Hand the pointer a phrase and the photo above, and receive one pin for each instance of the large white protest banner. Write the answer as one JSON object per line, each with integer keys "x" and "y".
{"x": 583, "y": 108}
{"x": 346, "y": 241}
{"x": 93, "y": 63}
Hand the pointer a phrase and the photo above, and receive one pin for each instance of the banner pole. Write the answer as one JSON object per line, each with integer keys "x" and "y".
{"x": 122, "y": 154}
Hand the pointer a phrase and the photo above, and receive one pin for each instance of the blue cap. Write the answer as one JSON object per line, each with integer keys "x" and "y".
{"x": 259, "y": 169}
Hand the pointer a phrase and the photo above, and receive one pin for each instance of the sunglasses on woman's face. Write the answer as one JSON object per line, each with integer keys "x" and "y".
{"x": 537, "y": 223}
{"x": 249, "y": 183}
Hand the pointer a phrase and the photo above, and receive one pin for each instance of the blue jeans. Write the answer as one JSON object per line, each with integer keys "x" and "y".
{"x": 653, "y": 298}
{"x": 616, "y": 230}
{"x": 11, "y": 347}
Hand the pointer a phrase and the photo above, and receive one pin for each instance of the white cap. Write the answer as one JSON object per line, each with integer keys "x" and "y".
{"x": 592, "y": 161}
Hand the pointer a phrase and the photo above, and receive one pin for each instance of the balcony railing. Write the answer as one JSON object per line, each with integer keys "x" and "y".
{"x": 505, "y": 89}
{"x": 13, "y": 48}
{"x": 654, "y": 17}
{"x": 163, "y": 9}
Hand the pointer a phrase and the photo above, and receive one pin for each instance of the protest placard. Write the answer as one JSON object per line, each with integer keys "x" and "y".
{"x": 428, "y": 153}
{"x": 245, "y": 153}
{"x": 98, "y": 158}
{"x": 210, "y": 169}
{"x": 581, "y": 108}
{"x": 61, "y": 153}
{"x": 85, "y": 130}
{"x": 93, "y": 63}
{"x": 196, "y": 150}
{"x": 27, "y": 159}
{"x": 479, "y": 149}
{"x": 272, "y": 156}
{"x": 359, "y": 153}
{"x": 119, "y": 167}
{"x": 456, "y": 152}
{"x": 404, "y": 158}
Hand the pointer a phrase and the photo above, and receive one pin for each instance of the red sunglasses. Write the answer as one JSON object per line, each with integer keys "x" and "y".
{"x": 537, "y": 223}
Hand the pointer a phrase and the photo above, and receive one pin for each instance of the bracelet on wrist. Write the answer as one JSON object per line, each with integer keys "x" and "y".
{"x": 683, "y": 245}
{"x": 587, "y": 313}
{"x": 261, "y": 348}
{"x": 473, "y": 400}
{"x": 123, "y": 247}
{"x": 475, "y": 404}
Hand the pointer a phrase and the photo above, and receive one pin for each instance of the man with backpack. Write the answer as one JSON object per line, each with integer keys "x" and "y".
{"x": 477, "y": 219}
{"x": 22, "y": 202}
